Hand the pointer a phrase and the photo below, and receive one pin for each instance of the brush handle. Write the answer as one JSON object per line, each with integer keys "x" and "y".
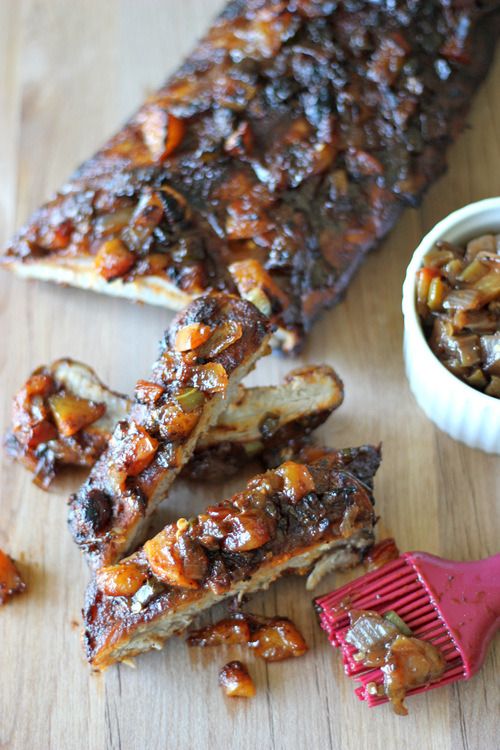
{"x": 467, "y": 596}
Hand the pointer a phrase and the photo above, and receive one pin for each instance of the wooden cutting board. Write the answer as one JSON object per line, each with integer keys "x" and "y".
{"x": 70, "y": 72}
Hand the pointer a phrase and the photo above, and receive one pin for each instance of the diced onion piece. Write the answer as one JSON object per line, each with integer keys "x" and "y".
{"x": 473, "y": 272}
{"x": 124, "y": 579}
{"x": 478, "y": 321}
{"x": 260, "y": 299}
{"x": 190, "y": 399}
{"x": 369, "y": 630}
{"x": 147, "y": 215}
{"x": 148, "y": 591}
{"x": 424, "y": 278}
{"x": 72, "y": 413}
{"x": 490, "y": 348}
{"x": 493, "y": 388}
{"x": 438, "y": 257}
{"x": 114, "y": 259}
{"x": 437, "y": 293}
{"x": 235, "y": 680}
{"x": 297, "y": 480}
{"x": 113, "y": 222}
{"x": 467, "y": 349}
{"x": 224, "y": 336}
{"x": 250, "y": 275}
{"x": 489, "y": 287}
{"x": 463, "y": 299}
{"x": 477, "y": 378}
{"x": 453, "y": 269}
{"x": 396, "y": 620}
{"x": 191, "y": 336}
{"x": 485, "y": 243}
{"x": 409, "y": 663}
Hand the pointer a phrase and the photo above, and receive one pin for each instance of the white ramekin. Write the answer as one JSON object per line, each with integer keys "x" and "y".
{"x": 455, "y": 407}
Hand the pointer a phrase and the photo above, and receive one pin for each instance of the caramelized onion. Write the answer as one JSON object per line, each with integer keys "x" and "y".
{"x": 458, "y": 299}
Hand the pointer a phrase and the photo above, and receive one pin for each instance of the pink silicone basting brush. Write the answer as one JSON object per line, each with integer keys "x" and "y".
{"x": 454, "y": 605}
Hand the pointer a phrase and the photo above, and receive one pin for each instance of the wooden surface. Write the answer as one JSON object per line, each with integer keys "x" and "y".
{"x": 70, "y": 73}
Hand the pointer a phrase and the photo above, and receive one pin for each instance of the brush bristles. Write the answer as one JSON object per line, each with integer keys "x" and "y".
{"x": 396, "y": 586}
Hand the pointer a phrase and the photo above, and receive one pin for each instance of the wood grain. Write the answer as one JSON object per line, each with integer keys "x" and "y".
{"x": 70, "y": 73}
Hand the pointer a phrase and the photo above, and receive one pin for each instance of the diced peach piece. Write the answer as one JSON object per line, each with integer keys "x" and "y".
{"x": 249, "y": 530}
{"x": 147, "y": 392}
{"x": 157, "y": 262}
{"x": 191, "y": 336}
{"x": 136, "y": 450}
{"x": 40, "y": 432}
{"x": 72, "y": 413}
{"x": 175, "y": 134}
{"x": 123, "y": 579}
{"x": 174, "y": 423}
{"x": 209, "y": 378}
{"x": 10, "y": 579}
{"x": 297, "y": 480}
{"x": 162, "y": 132}
{"x": 235, "y": 680}
{"x": 114, "y": 259}
{"x": 39, "y": 385}
{"x": 61, "y": 235}
{"x": 278, "y": 640}
{"x": 171, "y": 563}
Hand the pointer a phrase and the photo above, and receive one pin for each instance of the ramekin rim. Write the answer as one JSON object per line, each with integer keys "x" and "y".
{"x": 412, "y": 324}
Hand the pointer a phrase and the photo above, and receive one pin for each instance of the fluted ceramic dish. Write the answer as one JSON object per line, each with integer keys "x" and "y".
{"x": 455, "y": 407}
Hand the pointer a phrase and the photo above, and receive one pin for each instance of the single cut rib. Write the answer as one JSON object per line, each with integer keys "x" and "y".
{"x": 206, "y": 351}
{"x": 285, "y": 521}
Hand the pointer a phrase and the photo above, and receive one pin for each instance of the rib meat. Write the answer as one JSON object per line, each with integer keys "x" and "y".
{"x": 259, "y": 422}
{"x": 273, "y": 160}
{"x": 206, "y": 351}
{"x": 285, "y": 520}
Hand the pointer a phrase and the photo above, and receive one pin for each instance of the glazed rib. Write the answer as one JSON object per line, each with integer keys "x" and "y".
{"x": 62, "y": 416}
{"x": 263, "y": 421}
{"x": 277, "y": 156}
{"x": 285, "y": 521}
{"x": 259, "y": 421}
{"x": 205, "y": 353}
